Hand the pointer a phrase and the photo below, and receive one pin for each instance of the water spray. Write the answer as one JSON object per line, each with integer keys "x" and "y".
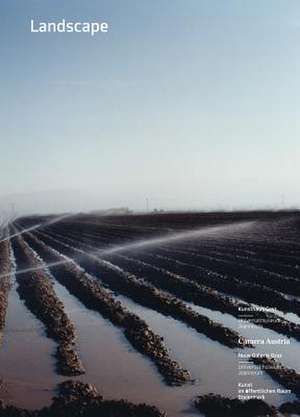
{"x": 38, "y": 226}
{"x": 207, "y": 231}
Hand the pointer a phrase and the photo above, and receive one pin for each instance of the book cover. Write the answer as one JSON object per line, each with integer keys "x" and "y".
{"x": 149, "y": 208}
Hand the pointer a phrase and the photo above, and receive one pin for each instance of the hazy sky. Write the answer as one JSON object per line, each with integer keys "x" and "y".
{"x": 191, "y": 103}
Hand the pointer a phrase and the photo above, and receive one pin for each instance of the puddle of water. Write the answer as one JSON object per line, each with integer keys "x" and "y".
{"x": 27, "y": 365}
{"x": 116, "y": 368}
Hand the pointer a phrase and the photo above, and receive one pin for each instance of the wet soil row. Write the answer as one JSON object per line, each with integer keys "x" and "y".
{"x": 217, "y": 406}
{"x": 249, "y": 275}
{"x": 77, "y": 399}
{"x": 191, "y": 291}
{"x": 245, "y": 257}
{"x": 148, "y": 295}
{"x": 38, "y": 293}
{"x": 5, "y": 267}
{"x": 278, "y": 254}
{"x": 96, "y": 297}
{"x": 239, "y": 270}
{"x": 250, "y": 292}
{"x": 287, "y": 377}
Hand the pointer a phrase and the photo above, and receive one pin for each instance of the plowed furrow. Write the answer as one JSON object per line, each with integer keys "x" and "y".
{"x": 236, "y": 256}
{"x": 147, "y": 295}
{"x": 263, "y": 249}
{"x": 96, "y": 297}
{"x": 38, "y": 293}
{"x": 240, "y": 271}
{"x": 5, "y": 267}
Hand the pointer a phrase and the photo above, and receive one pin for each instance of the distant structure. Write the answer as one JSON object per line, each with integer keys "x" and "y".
{"x": 114, "y": 211}
{"x": 158, "y": 210}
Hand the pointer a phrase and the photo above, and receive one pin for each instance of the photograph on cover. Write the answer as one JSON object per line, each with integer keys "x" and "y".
{"x": 149, "y": 208}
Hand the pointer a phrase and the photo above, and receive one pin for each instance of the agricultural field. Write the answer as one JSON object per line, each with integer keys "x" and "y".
{"x": 150, "y": 315}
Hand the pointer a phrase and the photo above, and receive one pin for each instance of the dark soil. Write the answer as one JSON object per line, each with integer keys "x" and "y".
{"x": 37, "y": 290}
{"x": 76, "y": 399}
{"x": 216, "y": 406}
{"x": 4, "y": 280}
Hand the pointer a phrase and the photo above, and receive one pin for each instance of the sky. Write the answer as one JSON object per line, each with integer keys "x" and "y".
{"x": 191, "y": 104}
